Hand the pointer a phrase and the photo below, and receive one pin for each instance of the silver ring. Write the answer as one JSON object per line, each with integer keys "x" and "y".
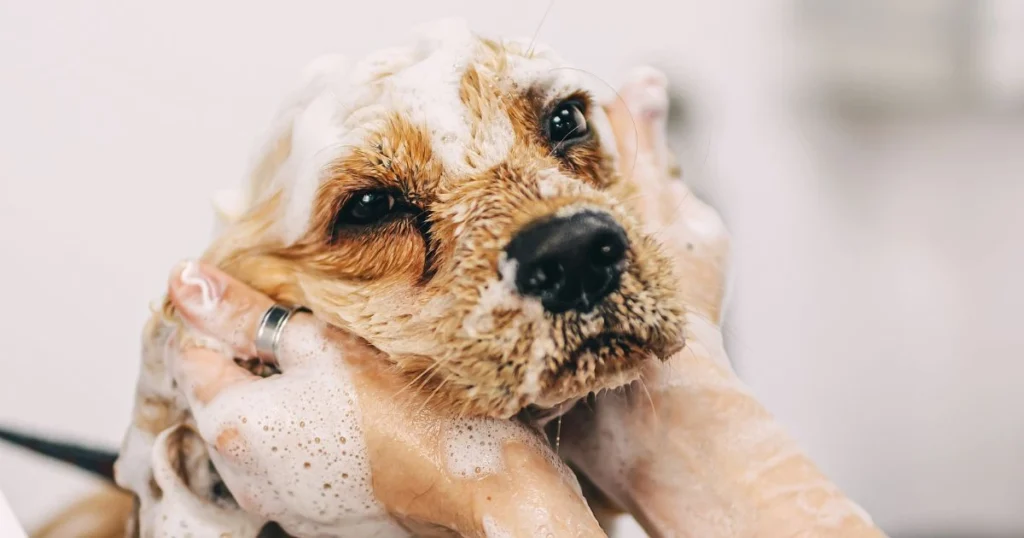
{"x": 268, "y": 333}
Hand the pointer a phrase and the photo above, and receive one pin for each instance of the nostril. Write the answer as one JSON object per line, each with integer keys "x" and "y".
{"x": 545, "y": 276}
{"x": 596, "y": 282}
{"x": 607, "y": 249}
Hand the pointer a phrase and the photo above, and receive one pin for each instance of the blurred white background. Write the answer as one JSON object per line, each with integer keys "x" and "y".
{"x": 868, "y": 156}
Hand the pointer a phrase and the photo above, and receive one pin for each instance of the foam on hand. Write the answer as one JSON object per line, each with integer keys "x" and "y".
{"x": 474, "y": 448}
{"x": 293, "y": 448}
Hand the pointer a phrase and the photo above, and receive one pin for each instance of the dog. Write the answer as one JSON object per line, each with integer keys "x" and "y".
{"x": 455, "y": 202}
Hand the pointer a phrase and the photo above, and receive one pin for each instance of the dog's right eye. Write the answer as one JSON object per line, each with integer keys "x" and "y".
{"x": 366, "y": 207}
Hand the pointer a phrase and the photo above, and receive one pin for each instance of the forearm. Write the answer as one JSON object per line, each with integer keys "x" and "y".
{"x": 536, "y": 499}
{"x": 713, "y": 462}
{"x": 529, "y": 496}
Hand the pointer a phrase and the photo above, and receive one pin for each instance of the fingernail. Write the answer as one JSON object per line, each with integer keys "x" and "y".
{"x": 178, "y": 269}
{"x": 195, "y": 287}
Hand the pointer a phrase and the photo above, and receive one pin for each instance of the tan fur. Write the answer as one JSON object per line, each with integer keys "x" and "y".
{"x": 411, "y": 295}
{"x": 104, "y": 514}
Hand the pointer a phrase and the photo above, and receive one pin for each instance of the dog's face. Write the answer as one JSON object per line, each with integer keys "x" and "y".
{"x": 457, "y": 204}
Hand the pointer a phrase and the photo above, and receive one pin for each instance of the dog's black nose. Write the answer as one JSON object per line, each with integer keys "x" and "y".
{"x": 569, "y": 263}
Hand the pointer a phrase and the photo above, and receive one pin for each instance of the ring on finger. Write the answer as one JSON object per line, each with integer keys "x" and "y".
{"x": 268, "y": 333}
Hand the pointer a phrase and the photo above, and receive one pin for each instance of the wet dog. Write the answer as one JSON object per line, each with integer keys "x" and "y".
{"x": 457, "y": 203}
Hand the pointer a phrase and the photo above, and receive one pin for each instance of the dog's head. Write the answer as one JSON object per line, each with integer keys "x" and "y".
{"x": 457, "y": 203}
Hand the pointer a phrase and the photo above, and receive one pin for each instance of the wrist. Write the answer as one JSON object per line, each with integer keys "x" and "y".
{"x": 531, "y": 497}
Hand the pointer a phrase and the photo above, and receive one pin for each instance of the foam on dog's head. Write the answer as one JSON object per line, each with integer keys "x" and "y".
{"x": 453, "y": 125}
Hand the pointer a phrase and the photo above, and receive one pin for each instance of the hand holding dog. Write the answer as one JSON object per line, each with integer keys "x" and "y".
{"x": 338, "y": 441}
{"x": 688, "y": 450}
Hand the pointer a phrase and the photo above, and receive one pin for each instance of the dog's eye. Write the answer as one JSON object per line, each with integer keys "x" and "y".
{"x": 567, "y": 123}
{"x": 366, "y": 207}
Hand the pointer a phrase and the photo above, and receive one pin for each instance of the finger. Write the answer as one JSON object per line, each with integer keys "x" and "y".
{"x": 189, "y": 511}
{"x": 230, "y": 311}
{"x": 645, "y": 96}
{"x": 625, "y": 130}
{"x": 204, "y": 373}
{"x": 639, "y": 118}
{"x": 218, "y": 305}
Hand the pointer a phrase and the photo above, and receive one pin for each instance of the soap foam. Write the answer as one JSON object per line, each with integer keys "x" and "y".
{"x": 210, "y": 293}
{"x": 420, "y": 82}
{"x": 303, "y": 462}
{"x": 498, "y": 295}
{"x": 429, "y": 92}
{"x": 475, "y": 448}
{"x": 492, "y": 530}
{"x": 179, "y": 512}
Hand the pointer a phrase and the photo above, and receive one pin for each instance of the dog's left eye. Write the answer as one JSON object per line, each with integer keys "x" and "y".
{"x": 366, "y": 207}
{"x": 567, "y": 123}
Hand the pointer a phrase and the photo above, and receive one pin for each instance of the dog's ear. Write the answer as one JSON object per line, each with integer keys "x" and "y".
{"x": 318, "y": 76}
{"x": 249, "y": 220}
{"x": 228, "y": 207}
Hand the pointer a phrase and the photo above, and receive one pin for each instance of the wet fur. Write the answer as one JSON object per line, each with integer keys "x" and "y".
{"x": 416, "y": 287}
{"x": 413, "y": 287}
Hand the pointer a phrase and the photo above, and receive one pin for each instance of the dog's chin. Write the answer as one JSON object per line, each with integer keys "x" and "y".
{"x": 606, "y": 360}
{"x": 602, "y": 362}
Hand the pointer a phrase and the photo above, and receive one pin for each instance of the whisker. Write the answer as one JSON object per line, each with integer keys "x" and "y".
{"x": 675, "y": 214}
{"x": 436, "y": 389}
{"x": 724, "y": 331}
{"x": 558, "y": 434}
{"x": 428, "y": 370}
{"x": 567, "y": 135}
{"x": 533, "y": 41}
{"x": 650, "y": 399}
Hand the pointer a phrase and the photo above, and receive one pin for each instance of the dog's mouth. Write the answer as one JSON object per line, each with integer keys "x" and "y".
{"x": 603, "y": 361}
{"x": 622, "y": 344}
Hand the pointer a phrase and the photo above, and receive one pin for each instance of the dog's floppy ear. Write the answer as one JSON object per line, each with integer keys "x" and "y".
{"x": 228, "y": 207}
{"x": 254, "y": 216}
{"x": 319, "y": 75}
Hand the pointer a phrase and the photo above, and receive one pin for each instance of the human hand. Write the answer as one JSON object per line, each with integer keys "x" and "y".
{"x": 691, "y": 232}
{"x": 340, "y": 443}
{"x": 688, "y": 450}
